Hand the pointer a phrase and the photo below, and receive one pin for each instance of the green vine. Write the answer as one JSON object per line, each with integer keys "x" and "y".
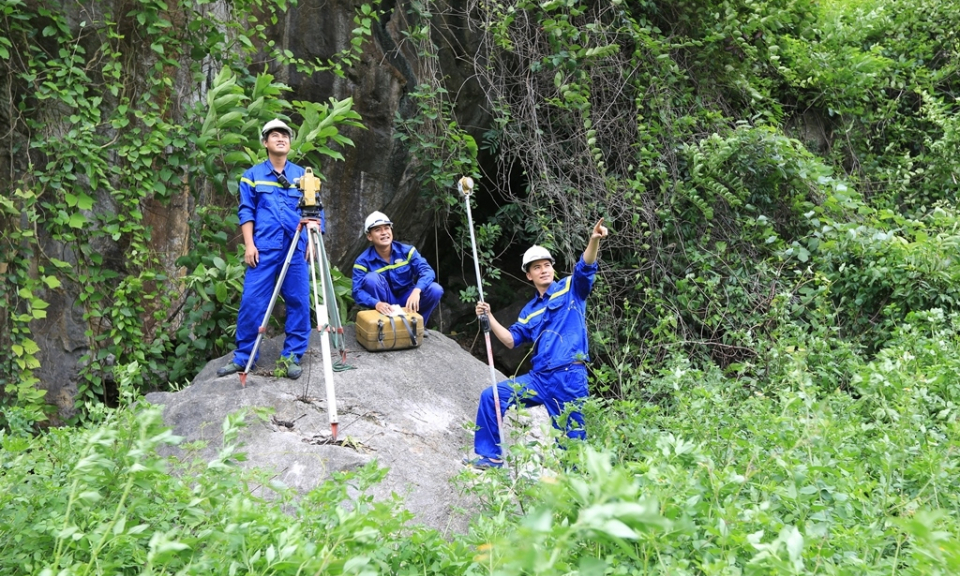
{"x": 104, "y": 144}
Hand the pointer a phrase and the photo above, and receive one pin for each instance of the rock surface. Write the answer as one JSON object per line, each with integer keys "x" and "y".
{"x": 412, "y": 411}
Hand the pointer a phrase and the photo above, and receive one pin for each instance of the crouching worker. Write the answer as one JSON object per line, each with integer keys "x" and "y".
{"x": 389, "y": 273}
{"x": 555, "y": 322}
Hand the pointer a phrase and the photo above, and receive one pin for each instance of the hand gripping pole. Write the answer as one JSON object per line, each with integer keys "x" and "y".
{"x": 465, "y": 187}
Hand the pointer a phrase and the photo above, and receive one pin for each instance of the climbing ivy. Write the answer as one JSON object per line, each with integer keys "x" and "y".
{"x": 443, "y": 150}
{"x": 726, "y": 142}
{"x": 101, "y": 142}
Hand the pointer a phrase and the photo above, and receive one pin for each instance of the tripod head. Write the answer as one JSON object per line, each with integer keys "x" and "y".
{"x": 309, "y": 186}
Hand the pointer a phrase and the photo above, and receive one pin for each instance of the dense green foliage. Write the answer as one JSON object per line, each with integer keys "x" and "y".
{"x": 775, "y": 327}
{"x": 723, "y": 478}
{"x": 104, "y": 502}
{"x": 761, "y": 164}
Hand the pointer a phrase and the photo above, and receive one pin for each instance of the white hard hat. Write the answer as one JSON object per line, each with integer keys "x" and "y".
{"x": 275, "y": 124}
{"x": 376, "y": 219}
{"x": 535, "y": 253}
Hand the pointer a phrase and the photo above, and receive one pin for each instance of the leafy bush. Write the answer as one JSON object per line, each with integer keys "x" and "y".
{"x": 101, "y": 500}
{"x": 780, "y": 475}
{"x": 212, "y": 297}
{"x": 879, "y": 78}
{"x": 729, "y": 479}
{"x": 888, "y": 266}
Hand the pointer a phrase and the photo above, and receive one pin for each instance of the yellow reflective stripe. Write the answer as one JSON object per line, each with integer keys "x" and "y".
{"x": 388, "y": 267}
{"x": 259, "y": 182}
{"x": 400, "y": 264}
{"x": 562, "y": 291}
{"x": 393, "y": 266}
{"x": 531, "y": 317}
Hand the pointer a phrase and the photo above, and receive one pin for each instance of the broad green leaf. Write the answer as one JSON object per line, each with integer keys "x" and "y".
{"x": 77, "y": 220}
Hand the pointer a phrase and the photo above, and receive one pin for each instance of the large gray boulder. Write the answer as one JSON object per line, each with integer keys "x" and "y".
{"x": 412, "y": 411}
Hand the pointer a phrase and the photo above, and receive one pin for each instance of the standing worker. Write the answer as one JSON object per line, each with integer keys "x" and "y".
{"x": 269, "y": 217}
{"x": 555, "y": 322}
{"x": 389, "y": 273}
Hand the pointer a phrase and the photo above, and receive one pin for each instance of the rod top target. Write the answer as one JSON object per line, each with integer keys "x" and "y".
{"x": 465, "y": 185}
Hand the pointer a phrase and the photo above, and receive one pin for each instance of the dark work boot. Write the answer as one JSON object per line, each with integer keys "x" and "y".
{"x": 231, "y": 368}
{"x": 294, "y": 371}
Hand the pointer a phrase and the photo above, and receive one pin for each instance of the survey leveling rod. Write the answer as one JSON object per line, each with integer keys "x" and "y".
{"x": 465, "y": 186}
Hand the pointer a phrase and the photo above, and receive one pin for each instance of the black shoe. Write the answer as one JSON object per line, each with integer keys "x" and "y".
{"x": 294, "y": 371}
{"x": 231, "y": 368}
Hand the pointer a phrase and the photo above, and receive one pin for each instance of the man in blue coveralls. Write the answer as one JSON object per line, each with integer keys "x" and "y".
{"x": 555, "y": 322}
{"x": 269, "y": 216}
{"x": 389, "y": 273}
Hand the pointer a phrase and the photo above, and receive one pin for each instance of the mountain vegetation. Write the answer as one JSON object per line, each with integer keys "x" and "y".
{"x": 775, "y": 326}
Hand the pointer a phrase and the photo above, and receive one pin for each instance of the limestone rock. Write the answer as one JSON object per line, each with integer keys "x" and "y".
{"x": 412, "y": 411}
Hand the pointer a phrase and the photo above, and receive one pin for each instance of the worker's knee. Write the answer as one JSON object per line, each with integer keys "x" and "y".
{"x": 487, "y": 395}
{"x": 434, "y": 292}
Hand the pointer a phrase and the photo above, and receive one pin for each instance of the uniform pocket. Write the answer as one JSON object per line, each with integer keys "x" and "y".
{"x": 267, "y": 228}
{"x": 292, "y": 196}
{"x": 575, "y": 382}
{"x": 403, "y": 276}
{"x": 555, "y": 304}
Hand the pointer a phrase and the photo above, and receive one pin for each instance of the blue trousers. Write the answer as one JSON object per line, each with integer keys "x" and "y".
{"x": 376, "y": 285}
{"x": 554, "y": 390}
{"x": 258, "y": 284}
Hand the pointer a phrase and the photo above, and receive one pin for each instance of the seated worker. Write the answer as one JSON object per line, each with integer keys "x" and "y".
{"x": 389, "y": 273}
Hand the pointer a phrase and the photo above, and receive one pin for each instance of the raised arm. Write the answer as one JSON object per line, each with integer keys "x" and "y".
{"x": 593, "y": 244}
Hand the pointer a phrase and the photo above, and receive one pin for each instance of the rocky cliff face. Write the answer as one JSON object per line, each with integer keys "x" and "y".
{"x": 377, "y": 174}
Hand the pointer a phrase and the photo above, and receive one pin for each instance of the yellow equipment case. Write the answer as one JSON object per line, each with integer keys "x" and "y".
{"x": 377, "y": 332}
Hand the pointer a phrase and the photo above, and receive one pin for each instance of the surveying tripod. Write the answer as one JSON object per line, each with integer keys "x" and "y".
{"x": 328, "y": 316}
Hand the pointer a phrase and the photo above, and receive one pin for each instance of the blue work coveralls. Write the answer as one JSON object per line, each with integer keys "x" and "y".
{"x": 376, "y": 280}
{"x": 275, "y": 213}
{"x": 556, "y": 324}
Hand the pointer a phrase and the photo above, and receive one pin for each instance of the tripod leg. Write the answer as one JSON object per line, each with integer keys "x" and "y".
{"x": 333, "y": 310}
{"x": 314, "y": 257}
{"x": 273, "y": 300}
{"x": 323, "y": 325}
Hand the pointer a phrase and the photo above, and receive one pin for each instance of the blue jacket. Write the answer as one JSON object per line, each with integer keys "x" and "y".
{"x": 274, "y": 210}
{"x": 556, "y": 322}
{"x": 406, "y": 270}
